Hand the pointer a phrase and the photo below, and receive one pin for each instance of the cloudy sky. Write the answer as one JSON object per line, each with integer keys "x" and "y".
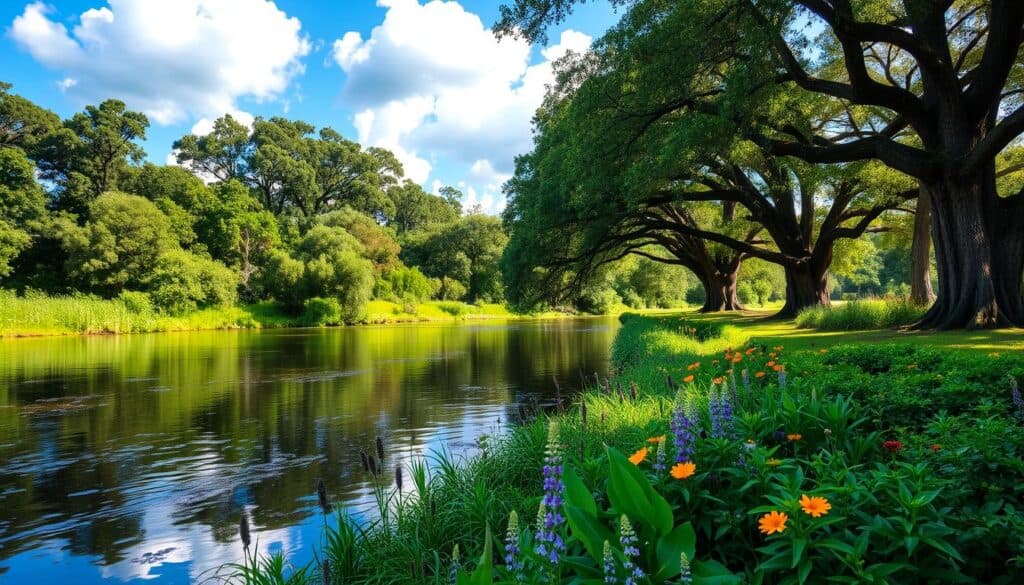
{"x": 426, "y": 79}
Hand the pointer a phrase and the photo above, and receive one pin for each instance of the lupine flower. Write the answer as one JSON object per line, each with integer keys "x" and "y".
{"x": 683, "y": 431}
{"x": 683, "y": 470}
{"x": 772, "y": 522}
{"x": 512, "y": 560}
{"x": 685, "y": 575}
{"x": 1018, "y": 401}
{"x": 609, "y": 565}
{"x": 782, "y": 376}
{"x": 720, "y": 406}
{"x": 628, "y": 540}
{"x": 453, "y": 570}
{"x": 746, "y": 379}
{"x": 814, "y": 505}
{"x": 659, "y": 458}
{"x": 549, "y": 538}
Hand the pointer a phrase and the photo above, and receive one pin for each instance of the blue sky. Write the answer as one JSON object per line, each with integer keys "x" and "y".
{"x": 426, "y": 79}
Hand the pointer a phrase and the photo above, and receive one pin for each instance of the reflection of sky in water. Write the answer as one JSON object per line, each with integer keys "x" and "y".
{"x": 130, "y": 459}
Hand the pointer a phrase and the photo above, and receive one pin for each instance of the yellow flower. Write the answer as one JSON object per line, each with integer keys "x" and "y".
{"x": 660, "y": 439}
{"x": 823, "y": 351}
{"x": 638, "y": 457}
{"x": 773, "y": 522}
{"x": 814, "y": 505}
{"x": 774, "y": 462}
{"x": 683, "y": 470}
{"x": 794, "y": 436}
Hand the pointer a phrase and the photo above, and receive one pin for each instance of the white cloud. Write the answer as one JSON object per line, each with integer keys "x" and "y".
{"x": 433, "y": 82}
{"x": 172, "y": 60}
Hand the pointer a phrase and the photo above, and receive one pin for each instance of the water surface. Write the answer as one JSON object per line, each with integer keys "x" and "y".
{"x": 131, "y": 458}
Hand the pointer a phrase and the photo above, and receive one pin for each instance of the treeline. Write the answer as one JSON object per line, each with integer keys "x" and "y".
{"x": 278, "y": 211}
{"x": 867, "y": 140}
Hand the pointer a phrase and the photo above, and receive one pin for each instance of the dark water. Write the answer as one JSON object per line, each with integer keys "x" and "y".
{"x": 131, "y": 458}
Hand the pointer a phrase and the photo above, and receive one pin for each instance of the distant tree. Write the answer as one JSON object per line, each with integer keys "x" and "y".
{"x": 23, "y": 123}
{"x": 467, "y": 251}
{"x": 223, "y": 154}
{"x": 415, "y": 209}
{"x": 180, "y": 282}
{"x": 379, "y": 244}
{"x": 335, "y": 267}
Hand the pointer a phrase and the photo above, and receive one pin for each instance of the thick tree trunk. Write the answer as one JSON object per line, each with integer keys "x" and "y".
{"x": 979, "y": 287}
{"x": 720, "y": 292}
{"x": 806, "y": 286}
{"x": 921, "y": 292}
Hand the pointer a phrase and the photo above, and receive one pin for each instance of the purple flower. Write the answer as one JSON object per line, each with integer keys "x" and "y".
{"x": 685, "y": 575}
{"x": 659, "y": 459}
{"x": 513, "y": 562}
{"x": 630, "y": 552}
{"x": 1018, "y": 401}
{"x": 550, "y": 543}
{"x": 609, "y": 565}
{"x": 782, "y": 377}
{"x": 720, "y": 407}
{"x": 684, "y": 431}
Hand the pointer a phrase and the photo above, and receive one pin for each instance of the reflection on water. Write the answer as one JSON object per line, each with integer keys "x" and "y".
{"x": 125, "y": 458}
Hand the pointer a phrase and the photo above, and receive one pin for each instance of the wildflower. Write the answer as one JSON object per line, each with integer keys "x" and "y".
{"x": 714, "y": 362}
{"x": 782, "y": 376}
{"x": 659, "y": 458}
{"x": 759, "y": 375}
{"x": 685, "y": 575}
{"x": 718, "y": 380}
{"x": 512, "y": 560}
{"x": 1018, "y": 401}
{"x": 688, "y": 379}
{"x": 749, "y": 444}
{"x": 794, "y": 437}
{"x": 777, "y": 348}
{"x": 609, "y": 565}
{"x": 774, "y": 462}
{"x": 936, "y": 448}
{"x": 751, "y": 350}
{"x": 549, "y": 540}
{"x": 773, "y": 522}
{"x": 745, "y": 374}
{"x": 827, "y": 432}
{"x": 453, "y": 570}
{"x": 683, "y": 432}
{"x": 823, "y": 351}
{"x": 630, "y": 552}
{"x": 639, "y": 457}
{"x": 660, "y": 439}
{"x": 814, "y": 505}
{"x": 683, "y": 470}
{"x": 737, "y": 359}
{"x": 892, "y": 446}
{"x": 770, "y": 364}
{"x": 720, "y": 406}
{"x": 773, "y": 355}
{"x": 693, "y": 366}
{"x": 779, "y": 435}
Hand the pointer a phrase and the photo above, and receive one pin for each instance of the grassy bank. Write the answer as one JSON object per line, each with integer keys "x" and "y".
{"x": 41, "y": 315}
{"x": 817, "y": 457}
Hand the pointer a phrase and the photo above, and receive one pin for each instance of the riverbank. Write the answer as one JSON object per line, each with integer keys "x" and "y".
{"x": 40, "y": 315}
{"x": 805, "y": 446}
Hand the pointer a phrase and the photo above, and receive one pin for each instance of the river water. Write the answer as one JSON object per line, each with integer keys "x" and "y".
{"x": 132, "y": 458}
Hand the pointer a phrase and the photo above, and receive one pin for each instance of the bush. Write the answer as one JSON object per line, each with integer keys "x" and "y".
{"x": 320, "y": 312}
{"x": 453, "y": 308}
{"x": 136, "y": 301}
{"x": 855, "y": 315}
{"x": 404, "y": 284}
{"x": 181, "y": 282}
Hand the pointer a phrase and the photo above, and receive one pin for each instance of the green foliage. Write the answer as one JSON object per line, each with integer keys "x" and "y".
{"x": 861, "y": 314}
{"x": 335, "y": 267}
{"x": 404, "y": 284}
{"x": 181, "y": 282}
{"x": 318, "y": 312}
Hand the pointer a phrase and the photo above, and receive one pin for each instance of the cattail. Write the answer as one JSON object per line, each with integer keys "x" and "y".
{"x": 398, "y": 477}
{"x": 321, "y": 494}
{"x": 633, "y": 391}
{"x": 365, "y": 460}
{"x": 325, "y": 572}
{"x": 243, "y": 531}
{"x": 380, "y": 449}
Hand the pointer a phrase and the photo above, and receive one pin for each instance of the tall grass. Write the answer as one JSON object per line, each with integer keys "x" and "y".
{"x": 857, "y": 315}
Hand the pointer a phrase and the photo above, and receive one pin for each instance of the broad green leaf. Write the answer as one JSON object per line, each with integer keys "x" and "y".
{"x": 576, "y": 492}
{"x": 682, "y": 539}
{"x": 631, "y": 494}
{"x": 588, "y": 530}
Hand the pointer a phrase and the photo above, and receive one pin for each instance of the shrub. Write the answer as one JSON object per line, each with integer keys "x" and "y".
{"x": 453, "y": 308}
{"x": 136, "y": 301}
{"x": 320, "y": 312}
{"x": 855, "y": 315}
{"x": 181, "y": 282}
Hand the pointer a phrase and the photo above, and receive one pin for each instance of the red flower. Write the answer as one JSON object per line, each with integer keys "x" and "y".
{"x": 892, "y": 446}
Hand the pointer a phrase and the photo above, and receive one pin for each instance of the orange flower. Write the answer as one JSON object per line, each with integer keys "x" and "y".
{"x": 777, "y": 367}
{"x": 688, "y": 379}
{"x": 794, "y": 436}
{"x": 683, "y": 470}
{"x": 814, "y": 505}
{"x": 759, "y": 375}
{"x": 770, "y": 364}
{"x": 773, "y": 355}
{"x": 656, "y": 440}
{"x": 773, "y": 522}
{"x": 936, "y": 447}
{"x": 718, "y": 380}
{"x": 777, "y": 348}
{"x": 737, "y": 359}
{"x": 751, "y": 350}
{"x": 638, "y": 457}
{"x": 693, "y": 366}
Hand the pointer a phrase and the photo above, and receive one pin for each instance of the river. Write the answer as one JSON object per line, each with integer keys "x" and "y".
{"x": 131, "y": 458}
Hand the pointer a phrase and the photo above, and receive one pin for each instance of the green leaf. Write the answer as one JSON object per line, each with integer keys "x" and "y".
{"x": 799, "y": 544}
{"x": 576, "y": 492}
{"x": 484, "y": 572}
{"x": 682, "y": 539}
{"x": 588, "y": 530}
{"x": 713, "y": 573}
{"x": 631, "y": 494}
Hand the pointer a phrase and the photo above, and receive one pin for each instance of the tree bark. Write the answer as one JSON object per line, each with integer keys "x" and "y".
{"x": 979, "y": 258}
{"x": 806, "y": 286}
{"x": 921, "y": 292}
{"x": 720, "y": 291}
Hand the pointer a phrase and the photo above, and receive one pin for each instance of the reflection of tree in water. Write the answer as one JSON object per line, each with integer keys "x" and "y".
{"x": 202, "y": 424}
